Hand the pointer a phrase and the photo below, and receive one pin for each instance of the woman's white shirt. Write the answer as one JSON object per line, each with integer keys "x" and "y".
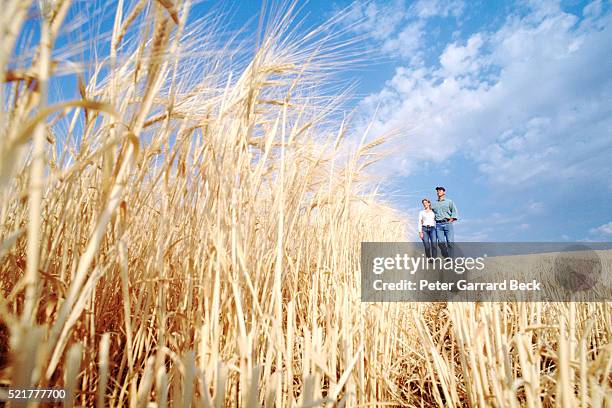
{"x": 426, "y": 218}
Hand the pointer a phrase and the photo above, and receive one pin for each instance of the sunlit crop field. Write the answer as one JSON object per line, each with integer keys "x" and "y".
{"x": 185, "y": 231}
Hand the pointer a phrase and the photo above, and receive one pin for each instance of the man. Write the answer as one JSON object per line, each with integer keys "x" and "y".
{"x": 446, "y": 214}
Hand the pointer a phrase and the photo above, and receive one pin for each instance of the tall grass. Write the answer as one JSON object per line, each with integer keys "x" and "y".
{"x": 187, "y": 232}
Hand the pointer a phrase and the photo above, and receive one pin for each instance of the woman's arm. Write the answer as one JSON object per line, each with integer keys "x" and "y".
{"x": 420, "y": 222}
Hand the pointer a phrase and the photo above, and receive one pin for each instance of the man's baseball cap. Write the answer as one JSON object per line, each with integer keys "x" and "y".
{"x": 440, "y": 188}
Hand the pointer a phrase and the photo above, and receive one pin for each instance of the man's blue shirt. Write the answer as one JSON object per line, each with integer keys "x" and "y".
{"x": 444, "y": 209}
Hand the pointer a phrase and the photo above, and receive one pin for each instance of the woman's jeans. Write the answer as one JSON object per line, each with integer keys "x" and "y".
{"x": 429, "y": 241}
{"x": 445, "y": 237}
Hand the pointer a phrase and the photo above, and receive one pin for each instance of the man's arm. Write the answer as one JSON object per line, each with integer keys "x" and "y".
{"x": 454, "y": 215}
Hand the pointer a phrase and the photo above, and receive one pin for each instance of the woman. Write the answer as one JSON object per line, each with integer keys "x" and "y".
{"x": 427, "y": 229}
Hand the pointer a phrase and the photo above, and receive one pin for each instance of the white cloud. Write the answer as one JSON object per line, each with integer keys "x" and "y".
{"x": 592, "y": 9}
{"x": 457, "y": 60}
{"x": 407, "y": 42}
{"x": 400, "y": 29}
{"x": 605, "y": 229}
{"x": 529, "y": 103}
{"x": 379, "y": 21}
{"x": 444, "y": 8}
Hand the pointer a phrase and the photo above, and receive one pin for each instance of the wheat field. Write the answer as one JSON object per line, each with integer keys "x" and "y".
{"x": 186, "y": 232}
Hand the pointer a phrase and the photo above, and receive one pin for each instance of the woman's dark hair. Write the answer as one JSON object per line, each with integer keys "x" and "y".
{"x": 426, "y": 199}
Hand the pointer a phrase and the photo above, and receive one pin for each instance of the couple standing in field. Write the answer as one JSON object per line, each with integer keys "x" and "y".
{"x": 436, "y": 225}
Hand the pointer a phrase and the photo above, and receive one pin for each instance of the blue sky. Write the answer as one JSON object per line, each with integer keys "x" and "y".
{"x": 506, "y": 104}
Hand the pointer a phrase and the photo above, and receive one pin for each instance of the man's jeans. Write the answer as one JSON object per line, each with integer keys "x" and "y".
{"x": 445, "y": 237}
{"x": 429, "y": 241}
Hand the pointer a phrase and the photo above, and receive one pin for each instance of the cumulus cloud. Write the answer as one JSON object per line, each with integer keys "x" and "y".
{"x": 459, "y": 60}
{"x": 605, "y": 229}
{"x": 528, "y": 103}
